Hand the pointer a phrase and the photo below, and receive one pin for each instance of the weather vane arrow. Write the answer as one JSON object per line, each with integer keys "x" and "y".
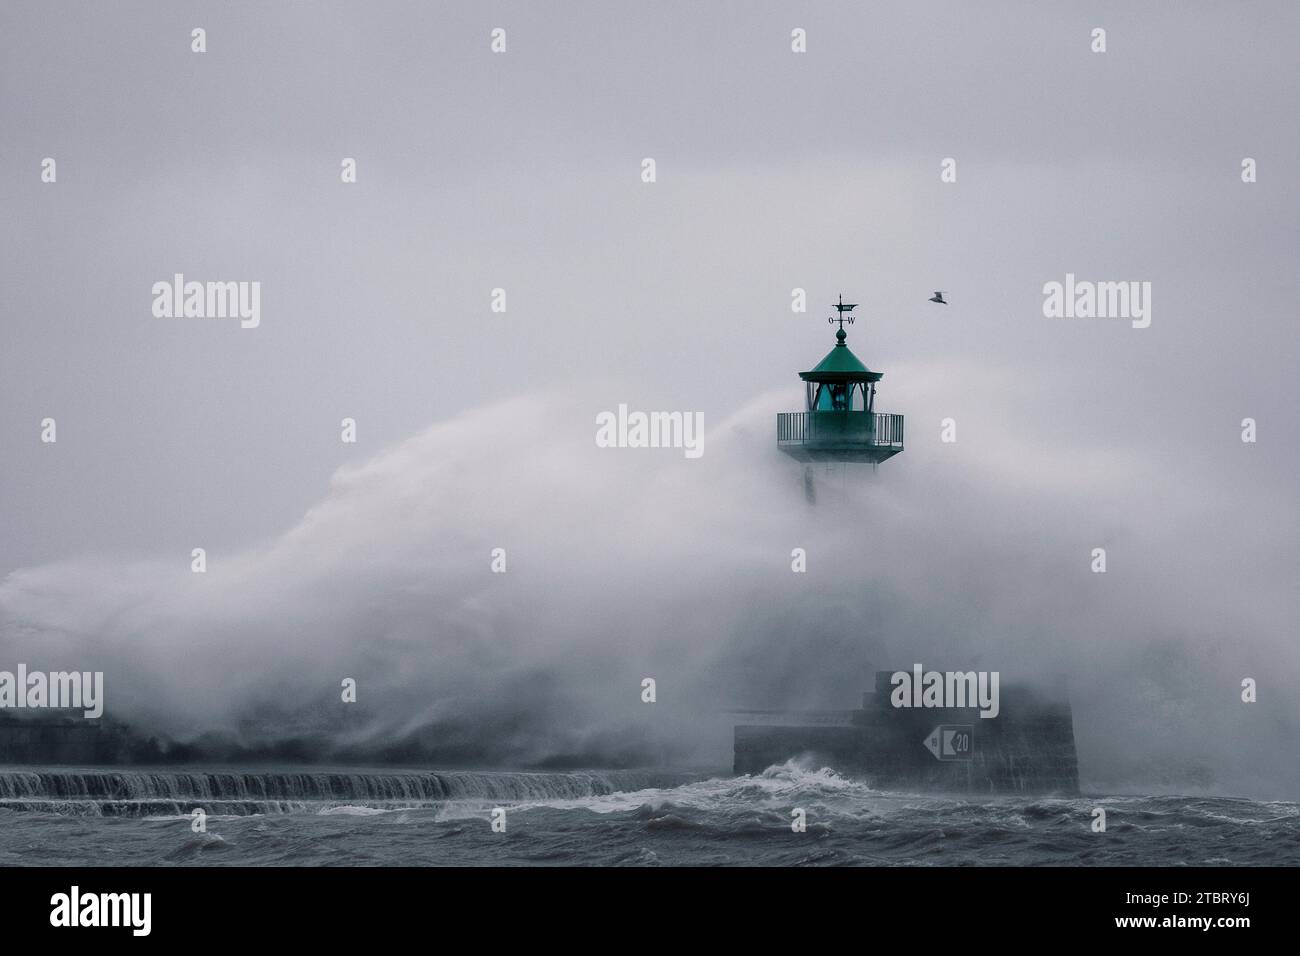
{"x": 843, "y": 308}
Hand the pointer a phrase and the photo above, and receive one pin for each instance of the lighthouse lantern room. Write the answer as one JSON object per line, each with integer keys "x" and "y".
{"x": 840, "y": 423}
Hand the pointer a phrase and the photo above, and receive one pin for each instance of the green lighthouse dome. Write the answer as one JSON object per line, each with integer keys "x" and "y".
{"x": 840, "y": 365}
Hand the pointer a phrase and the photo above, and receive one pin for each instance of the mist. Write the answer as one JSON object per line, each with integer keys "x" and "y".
{"x": 625, "y": 564}
{"x": 777, "y": 171}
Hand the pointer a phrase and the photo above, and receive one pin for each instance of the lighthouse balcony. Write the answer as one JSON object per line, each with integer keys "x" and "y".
{"x": 847, "y": 436}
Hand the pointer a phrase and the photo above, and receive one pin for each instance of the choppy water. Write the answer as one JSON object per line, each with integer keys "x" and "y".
{"x": 348, "y": 817}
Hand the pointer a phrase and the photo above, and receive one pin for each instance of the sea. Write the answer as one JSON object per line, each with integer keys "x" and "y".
{"x": 309, "y": 816}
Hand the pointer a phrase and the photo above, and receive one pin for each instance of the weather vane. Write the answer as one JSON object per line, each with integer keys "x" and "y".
{"x": 843, "y": 308}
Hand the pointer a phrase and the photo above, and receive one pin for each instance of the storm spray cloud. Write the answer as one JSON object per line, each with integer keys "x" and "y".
{"x": 627, "y": 564}
{"x": 341, "y": 243}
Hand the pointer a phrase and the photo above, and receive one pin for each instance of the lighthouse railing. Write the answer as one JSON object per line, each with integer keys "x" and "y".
{"x": 888, "y": 429}
{"x": 871, "y": 428}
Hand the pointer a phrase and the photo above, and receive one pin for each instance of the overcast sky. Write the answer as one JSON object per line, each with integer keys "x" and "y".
{"x": 775, "y": 170}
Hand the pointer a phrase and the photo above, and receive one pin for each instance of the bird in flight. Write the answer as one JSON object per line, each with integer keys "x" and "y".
{"x": 938, "y": 297}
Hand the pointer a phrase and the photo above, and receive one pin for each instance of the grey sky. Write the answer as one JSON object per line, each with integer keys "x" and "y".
{"x": 775, "y": 171}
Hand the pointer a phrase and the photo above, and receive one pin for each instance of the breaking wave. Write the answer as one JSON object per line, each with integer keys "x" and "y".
{"x": 286, "y": 816}
{"x": 239, "y": 792}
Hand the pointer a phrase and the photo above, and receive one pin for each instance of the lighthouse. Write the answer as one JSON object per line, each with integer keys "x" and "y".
{"x": 840, "y": 422}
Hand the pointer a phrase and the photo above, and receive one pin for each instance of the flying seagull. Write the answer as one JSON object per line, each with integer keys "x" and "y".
{"x": 938, "y": 297}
